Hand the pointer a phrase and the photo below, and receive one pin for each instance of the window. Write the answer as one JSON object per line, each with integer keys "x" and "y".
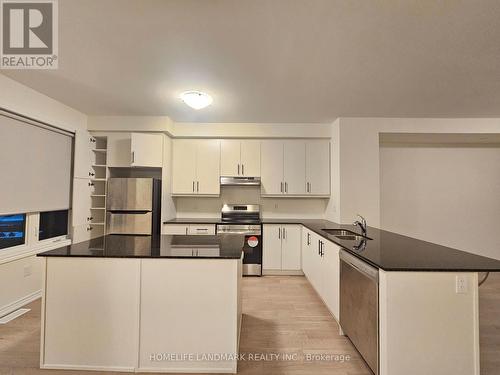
{"x": 12, "y": 230}
{"x": 53, "y": 224}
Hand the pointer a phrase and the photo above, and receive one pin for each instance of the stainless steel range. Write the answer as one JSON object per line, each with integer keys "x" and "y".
{"x": 245, "y": 219}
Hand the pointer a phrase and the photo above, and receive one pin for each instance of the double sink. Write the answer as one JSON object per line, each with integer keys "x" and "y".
{"x": 344, "y": 234}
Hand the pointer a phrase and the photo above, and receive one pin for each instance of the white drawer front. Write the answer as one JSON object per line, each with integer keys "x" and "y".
{"x": 199, "y": 229}
{"x": 181, "y": 229}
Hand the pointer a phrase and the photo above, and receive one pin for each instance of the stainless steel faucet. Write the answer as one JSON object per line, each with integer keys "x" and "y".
{"x": 362, "y": 224}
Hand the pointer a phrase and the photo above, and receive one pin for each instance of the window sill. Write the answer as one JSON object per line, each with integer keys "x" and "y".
{"x": 27, "y": 251}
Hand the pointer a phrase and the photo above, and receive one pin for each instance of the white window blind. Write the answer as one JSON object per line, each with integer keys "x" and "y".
{"x": 35, "y": 166}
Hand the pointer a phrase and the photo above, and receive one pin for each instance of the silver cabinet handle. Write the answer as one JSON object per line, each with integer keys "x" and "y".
{"x": 238, "y": 169}
{"x": 308, "y": 239}
{"x": 198, "y": 186}
{"x": 319, "y": 247}
{"x": 193, "y": 186}
{"x": 281, "y": 188}
{"x": 286, "y": 187}
{"x": 279, "y": 233}
{"x": 186, "y": 231}
{"x": 133, "y": 157}
{"x": 242, "y": 169}
{"x": 284, "y": 233}
{"x": 308, "y": 188}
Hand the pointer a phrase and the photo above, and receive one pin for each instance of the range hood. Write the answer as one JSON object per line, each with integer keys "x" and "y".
{"x": 239, "y": 181}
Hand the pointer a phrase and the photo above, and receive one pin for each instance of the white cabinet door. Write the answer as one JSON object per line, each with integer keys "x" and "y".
{"x": 146, "y": 150}
{"x": 306, "y": 251}
{"x": 207, "y": 167}
{"x": 272, "y": 167}
{"x": 315, "y": 264}
{"x": 230, "y": 164}
{"x": 119, "y": 150}
{"x": 271, "y": 251}
{"x": 294, "y": 167}
{"x": 331, "y": 277}
{"x": 184, "y": 166}
{"x": 318, "y": 167}
{"x": 250, "y": 158}
{"x": 84, "y": 143}
{"x": 291, "y": 247}
{"x": 81, "y": 201}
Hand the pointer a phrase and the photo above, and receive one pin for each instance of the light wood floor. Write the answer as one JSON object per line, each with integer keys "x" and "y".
{"x": 281, "y": 315}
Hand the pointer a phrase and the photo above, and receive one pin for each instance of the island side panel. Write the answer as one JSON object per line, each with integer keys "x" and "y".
{"x": 189, "y": 308}
{"x": 91, "y": 316}
{"x": 421, "y": 314}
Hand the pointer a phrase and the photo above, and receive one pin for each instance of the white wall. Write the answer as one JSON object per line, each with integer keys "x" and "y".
{"x": 359, "y": 156}
{"x": 21, "y": 287}
{"x": 447, "y": 194}
{"x": 26, "y": 101}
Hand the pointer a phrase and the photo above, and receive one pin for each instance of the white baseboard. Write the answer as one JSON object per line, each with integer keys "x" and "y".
{"x": 20, "y": 303}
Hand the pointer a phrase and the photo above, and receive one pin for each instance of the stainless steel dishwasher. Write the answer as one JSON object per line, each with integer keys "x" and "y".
{"x": 359, "y": 307}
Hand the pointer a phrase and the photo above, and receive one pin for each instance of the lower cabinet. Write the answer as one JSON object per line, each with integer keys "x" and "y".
{"x": 321, "y": 265}
{"x": 281, "y": 253}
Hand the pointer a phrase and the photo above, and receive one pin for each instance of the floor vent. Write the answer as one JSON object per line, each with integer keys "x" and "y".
{"x": 13, "y": 315}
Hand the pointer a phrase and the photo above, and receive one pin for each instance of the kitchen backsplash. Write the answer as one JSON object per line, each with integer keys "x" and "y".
{"x": 270, "y": 207}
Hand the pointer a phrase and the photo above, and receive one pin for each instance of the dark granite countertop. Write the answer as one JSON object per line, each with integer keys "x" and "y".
{"x": 387, "y": 250}
{"x": 224, "y": 246}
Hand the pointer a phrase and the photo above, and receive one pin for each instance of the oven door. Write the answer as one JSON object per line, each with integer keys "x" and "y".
{"x": 252, "y": 258}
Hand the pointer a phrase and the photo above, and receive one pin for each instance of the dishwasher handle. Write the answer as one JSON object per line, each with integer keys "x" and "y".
{"x": 359, "y": 265}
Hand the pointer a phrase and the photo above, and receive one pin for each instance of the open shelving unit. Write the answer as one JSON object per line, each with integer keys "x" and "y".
{"x": 99, "y": 177}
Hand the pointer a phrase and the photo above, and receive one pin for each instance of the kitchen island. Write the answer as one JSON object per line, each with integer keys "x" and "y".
{"x": 141, "y": 303}
{"x": 423, "y": 298}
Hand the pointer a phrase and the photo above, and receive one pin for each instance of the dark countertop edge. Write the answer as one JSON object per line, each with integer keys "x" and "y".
{"x": 329, "y": 238}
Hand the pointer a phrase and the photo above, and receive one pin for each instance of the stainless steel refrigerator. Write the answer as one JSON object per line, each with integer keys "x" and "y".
{"x": 133, "y": 206}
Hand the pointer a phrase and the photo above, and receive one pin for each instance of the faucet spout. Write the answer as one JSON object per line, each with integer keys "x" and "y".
{"x": 362, "y": 224}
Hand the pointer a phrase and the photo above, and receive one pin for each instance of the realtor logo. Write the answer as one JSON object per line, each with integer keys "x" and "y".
{"x": 29, "y": 34}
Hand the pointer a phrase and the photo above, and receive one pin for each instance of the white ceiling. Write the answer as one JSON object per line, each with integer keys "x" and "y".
{"x": 277, "y": 60}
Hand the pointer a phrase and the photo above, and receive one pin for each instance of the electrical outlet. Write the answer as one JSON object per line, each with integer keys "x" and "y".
{"x": 461, "y": 286}
{"x": 27, "y": 271}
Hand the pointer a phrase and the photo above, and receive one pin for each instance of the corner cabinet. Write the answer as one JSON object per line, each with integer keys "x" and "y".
{"x": 195, "y": 169}
{"x": 295, "y": 168}
{"x": 281, "y": 252}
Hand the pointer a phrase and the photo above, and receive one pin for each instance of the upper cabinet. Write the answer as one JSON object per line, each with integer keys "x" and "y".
{"x": 84, "y": 143}
{"x": 195, "y": 169}
{"x": 318, "y": 167}
{"x": 240, "y": 158}
{"x": 135, "y": 150}
{"x": 146, "y": 150}
{"x": 295, "y": 168}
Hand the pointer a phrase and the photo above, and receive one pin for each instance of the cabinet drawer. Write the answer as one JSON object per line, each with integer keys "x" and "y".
{"x": 171, "y": 229}
{"x": 199, "y": 229}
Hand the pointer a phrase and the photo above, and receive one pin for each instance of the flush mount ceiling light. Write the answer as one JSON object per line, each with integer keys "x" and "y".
{"x": 196, "y": 99}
